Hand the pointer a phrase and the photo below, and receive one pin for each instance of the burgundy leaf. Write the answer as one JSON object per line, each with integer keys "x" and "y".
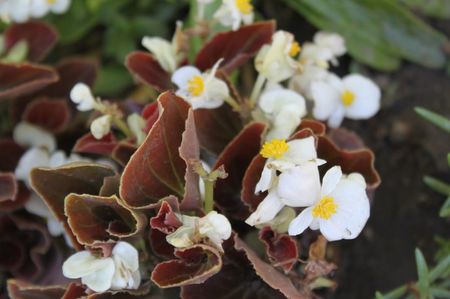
{"x": 156, "y": 170}
{"x": 235, "y": 47}
{"x": 280, "y": 248}
{"x": 8, "y": 186}
{"x": 97, "y": 219}
{"x": 150, "y": 113}
{"x": 123, "y": 151}
{"x": 146, "y": 69}
{"x": 345, "y": 139}
{"x": 195, "y": 265}
{"x": 159, "y": 244}
{"x": 166, "y": 221}
{"x": 235, "y": 158}
{"x": 17, "y": 202}
{"x": 21, "y": 79}
{"x": 11, "y": 153}
{"x": 88, "y": 144}
{"x": 110, "y": 186}
{"x": 74, "y": 291}
{"x": 18, "y": 289}
{"x": 52, "y": 115}
{"x": 40, "y": 38}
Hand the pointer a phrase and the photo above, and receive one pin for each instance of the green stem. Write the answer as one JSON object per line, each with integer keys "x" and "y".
{"x": 209, "y": 195}
{"x": 122, "y": 126}
{"x": 230, "y": 101}
{"x": 257, "y": 89}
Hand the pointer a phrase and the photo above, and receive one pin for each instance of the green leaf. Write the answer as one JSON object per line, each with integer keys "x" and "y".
{"x": 423, "y": 284}
{"x": 436, "y": 119}
{"x": 18, "y": 53}
{"x": 394, "y": 294}
{"x": 437, "y": 185}
{"x": 378, "y": 295}
{"x": 432, "y": 8}
{"x": 441, "y": 268}
{"x": 390, "y": 32}
{"x": 440, "y": 293}
{"x": 445, "y": 209}
{"x": 112, "y": 80}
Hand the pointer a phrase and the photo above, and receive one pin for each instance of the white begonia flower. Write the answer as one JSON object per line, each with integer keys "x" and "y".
{"x": 118, "y": 272}
{"x": 298, "y": 183}
{"x": 325, "y": 48}
{"x": 284, "y": 108}
{"x": 213, "y": 226}
{"x": 340, "y": 211}
{"x": 17, "y": 10}
{"x": 332, "y": 41}
{"x": 34, "y": 157}
{"x": 201, "y": 90}
{"x": 166, "y": 53}
{"x": 101, "y": 126}
{"x": 276, "y": 62}
{"x": 40, "y": 8}
{"x": 234, "y": 12}
{"x": 310, "y": 73}
{"x": 82, "y": 96}
{"x": 29, "y": 135}
{"x": 137, "y": 124}
{"x": 355, "y": 97}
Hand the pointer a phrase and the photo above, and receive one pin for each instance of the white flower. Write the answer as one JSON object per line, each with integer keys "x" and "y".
{"x": 213, "y": 226}
{"x": 137, "y": 125}
{"x": 34, "y": 157}
{"x": 276, "y": 62}
{"x": 298, "y": 183}
{"x": 340, "y": 211}
{"x": 17, "y": 10}
{"x": 40, "y": 8}
{"x": 101, "y": 126}
{"x": 166, "y": 53}
{"x": 234, "y": 12}
{"x": 332, "y": 41}
{"x": 29, "y": 135}
{"x": 284, "y": 108}
{"x": 120, "y": 271}
{"x": 201, "y": 90}
{"x": 355, "y": 97}
{"x": 310, "y": 73}
{"x": 326, "y": 48}
{"x": 82, "y": 96}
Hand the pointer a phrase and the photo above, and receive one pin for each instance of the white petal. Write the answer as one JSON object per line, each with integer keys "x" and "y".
{"x": 367, "y": 100}
{"x": 301, "y": 222}
{"x": 357, "y": 178}
{"x": 267, "y": 179}
{"x": 163, "y": 52}
{"x": 182, "y": 76}
{"x": 326, "y": 99}
{"x": 127, "y": 254}
{"x": 331, "y": 231}
{"x": 101, "y": 126}
{"x": 216, "y": 91}
{"x": 182, "y": 237}
{"x": 19, "y": 10}
{"x": 215, "y": 224}
{"x": 35, "y": 205}
{"x": 57, "y": 159}
{"x": 336, "y": 117}
{"x": 300, "y": 186}
{"x": 100, "y": 280}
{"x": 60, "y": 6}
{"x": 34, "y": 157}
{"x": 55, "y": 228}
{"x": 273, "y": 101}
{"x": 266, "y": 210}
{"x": 301, "y": 150}
{"x": 302, "y": 83}
{"x": 33, "y": 136}
{"x": 84, "y": 263}
{"x": 332, "y": 41}
{"x": 81, "y": 94}
{"x": 39, "y": 8}
{"x": 330, "y": 180}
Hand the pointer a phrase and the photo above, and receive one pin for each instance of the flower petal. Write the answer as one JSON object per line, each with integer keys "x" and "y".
{"x": 301, "y": 222}
{"x": 100, "y": 280}
{"x": 368, "y": 94}
{"x": 30, "y": 135}
{"x": 84, "y": 263}
{"x": 163, "y": 52}
{"x": 326, "y": 99}
{"x": 266, "y": 181}
{"x": 128, "y": 255}
{"x": 301, "y": 150}
{"x": 330, "y": 180}
{"x": 182, "y": 76}
{"x": 267, "y": 209}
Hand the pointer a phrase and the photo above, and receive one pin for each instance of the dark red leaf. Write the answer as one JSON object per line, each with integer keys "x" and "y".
{"x": 97, "y": 219}
{"x": 71, "y": 71}
{"x": 40, "y": 38}
{"x": 166, "y": 221}
{"x": 280, "y": 248}
{"x": 235, "y": 158}
{"x": 74, "y": 291}
{"x": 52, "y": 115}
{"x": 79, "y": 178}
{"x": 88, "y": 144}
{"x": 235, "y": 47}
{"x": 146, "y": 69}
{"x": 317, "y": 127}
{"x": 123, "y": 151}
{"x": 110, "y": 186}
{"x": 8, "y": 186}
{"x": 18, "y": 289}
{"x": 345, "y": 139}
{"x": 22, "y": 79}
{"x": 150, "y": 113}
{"x": 217, "y": 127}
{"x": 160, "y": 246}
{"x": 11, "y": 153}
{"x": 16, "y": 203}
{"x": 156, "y": 170}
{"x": 195, "y": 265}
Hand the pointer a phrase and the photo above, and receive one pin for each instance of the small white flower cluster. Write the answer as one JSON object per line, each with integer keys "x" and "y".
{"x": 339, "y": 207}
{"x": 120, "y": 271}
{"x": 231, "y": 13}
{"x": 20, "y": 11}
{"x": 213, "y": 226}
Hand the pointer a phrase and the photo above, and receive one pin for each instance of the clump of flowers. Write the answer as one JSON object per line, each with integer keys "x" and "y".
{"x": 207, "y": 181}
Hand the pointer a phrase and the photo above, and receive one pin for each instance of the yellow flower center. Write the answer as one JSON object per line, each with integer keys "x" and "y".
{"x": 51, "y": 1}
{"x": 347, "y": 98}
{"x": 274, "y": 149}
{"x": 196, "y": 85}
{"x": 244, "y": 6}
{"x": 295, "y": 49}
{"x": 325, "y": 208}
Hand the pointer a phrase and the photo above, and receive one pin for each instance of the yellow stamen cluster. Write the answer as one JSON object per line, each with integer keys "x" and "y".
{"x": 196, "y": 86}
{"x": 347, "y": 98}
{"x": 244, "y": 6}
{"x": 325, "y": 208}
{"x": 274, "y": 149}
{"x": 51, "y": 1}
{"x": 295, "y": 49}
